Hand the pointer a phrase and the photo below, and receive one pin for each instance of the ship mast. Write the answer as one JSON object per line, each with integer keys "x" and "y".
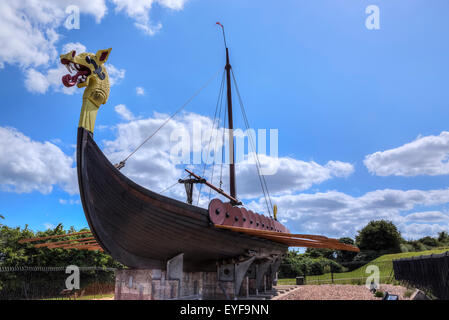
{"x": 231, "y": 129}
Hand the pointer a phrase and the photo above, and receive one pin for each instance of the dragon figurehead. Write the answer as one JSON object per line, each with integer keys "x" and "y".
{"x": 88, "y": 70}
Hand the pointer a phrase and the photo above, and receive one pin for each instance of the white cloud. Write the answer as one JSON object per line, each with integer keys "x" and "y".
{"x": 115, "y": 74}
{"x": 416, "y": 231}
{"x": 139, "y": 10}
{"x": 49, "y": 225}
{"x": 28, "y": 28}
{"x": 29, "y": 34}
{"x": 124, "y": 112}
{"x": 338, "y": 214}
{"x": 424, "y": 156}
{"x": 292, "y": 175}
{"x": 27, "y": 165}
{"x": 427, "y": 216}
{"x": 69, "y": 201}
{"x": 140, "y": 91}
{"x": 36, "y": 82}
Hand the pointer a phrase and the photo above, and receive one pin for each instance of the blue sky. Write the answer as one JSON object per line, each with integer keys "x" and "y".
{"x": 362, "y": 114}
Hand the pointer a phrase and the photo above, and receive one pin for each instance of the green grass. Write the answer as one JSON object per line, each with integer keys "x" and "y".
{"x": 88, "y": 297}
{"x": 359, "y": 276}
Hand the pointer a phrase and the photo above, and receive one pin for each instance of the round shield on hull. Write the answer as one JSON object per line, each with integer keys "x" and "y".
{"x": 237, "y": 217}
{"x": 245, "y": 217}
{"x": 229, "y": 219}
{"x": 217, "y": 211}
{"x": 258, "y": 220}
{"x": 252, "y": 219}
{"x": 277, "y": 226}
{"x": 269, "y": 223}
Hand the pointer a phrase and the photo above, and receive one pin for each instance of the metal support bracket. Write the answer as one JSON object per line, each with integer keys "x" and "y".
{"x": 234, "y": 272}
{"x": 261, "y": 270}
{"x": 240, "y": 271}
{"x": 275, "y": 267}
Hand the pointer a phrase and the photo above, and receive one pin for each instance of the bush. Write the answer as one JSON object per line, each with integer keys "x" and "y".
{"x": 346, "y": 256}
{"x": 302, "y": 265}
{"x": 379, "y": 294}
{"x": 365, "y": 256}
{"x": 408, "y": 293}
{"x": 406, "y": 247}
{"x": 418, "y": 246}
{"x": 429, "y": 241}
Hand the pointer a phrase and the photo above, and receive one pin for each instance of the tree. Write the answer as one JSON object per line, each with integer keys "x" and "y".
{"x": 379, "y": 236}
{"x": 315, "y": 253}
{"x": 443, "y": 237}
{"x": 346, "y": 256}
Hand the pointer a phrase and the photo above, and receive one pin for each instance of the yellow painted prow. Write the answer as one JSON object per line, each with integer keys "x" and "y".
{"x": 91, "y": 73}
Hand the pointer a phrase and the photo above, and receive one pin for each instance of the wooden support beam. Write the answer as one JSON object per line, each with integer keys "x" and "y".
{"x": 67, "y": 245}
{"x": 234, "y": 201}
{"x": 294, "y": 240}
{"x": 91, "y": 248}
{"x": 47, "y": 244}
{"x": 54, "y": 237}
{"x": 258, "y": 231}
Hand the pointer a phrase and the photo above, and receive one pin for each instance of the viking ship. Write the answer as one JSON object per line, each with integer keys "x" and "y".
{"x": 144, "y": 229}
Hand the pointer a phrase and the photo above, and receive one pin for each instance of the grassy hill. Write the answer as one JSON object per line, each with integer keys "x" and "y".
{"x": 358, "y": 276}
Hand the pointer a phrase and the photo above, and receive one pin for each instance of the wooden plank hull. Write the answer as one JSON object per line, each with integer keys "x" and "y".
{"x": 143, "y": 229}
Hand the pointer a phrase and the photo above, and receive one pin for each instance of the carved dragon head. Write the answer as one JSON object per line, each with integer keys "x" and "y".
{"x": 88, "y": 70}
{"x": 88, "y": 67}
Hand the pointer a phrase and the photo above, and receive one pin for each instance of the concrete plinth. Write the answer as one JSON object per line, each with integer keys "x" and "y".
{"x": 152, "y": 284}
{"x": 231, "y": 280}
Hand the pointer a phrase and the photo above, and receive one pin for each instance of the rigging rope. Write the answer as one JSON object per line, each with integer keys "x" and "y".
{"x": 216, "y": 142}
{"x": 169, "y": 187}
{"x": 222, "y": 144}
{"x": 122, "y": 163}
{"x": 219, "y": 99}
{"x": 262, "y": 180}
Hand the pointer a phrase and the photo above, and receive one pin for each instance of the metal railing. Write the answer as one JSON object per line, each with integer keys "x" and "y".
{"x": 429, "y": 273}
{"x": 35, "y": 283}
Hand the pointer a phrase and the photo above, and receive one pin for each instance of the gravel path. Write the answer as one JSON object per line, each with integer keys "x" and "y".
{"x": 341, "y": 292}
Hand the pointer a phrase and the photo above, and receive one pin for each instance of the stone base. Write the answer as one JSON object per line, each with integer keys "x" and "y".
{"x": 231, "y": 280}
{"x": 152, "y": 284}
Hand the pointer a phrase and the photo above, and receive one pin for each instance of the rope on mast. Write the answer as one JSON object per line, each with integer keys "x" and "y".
{"x": 262, "y": 180}
{"x": 219, "y": 103}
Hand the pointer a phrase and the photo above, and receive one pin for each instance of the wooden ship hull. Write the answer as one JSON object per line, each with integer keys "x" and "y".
{"x": 143, "y": 229}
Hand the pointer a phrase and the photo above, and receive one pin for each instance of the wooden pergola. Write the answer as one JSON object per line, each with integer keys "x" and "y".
{"x": 80, "y": 241}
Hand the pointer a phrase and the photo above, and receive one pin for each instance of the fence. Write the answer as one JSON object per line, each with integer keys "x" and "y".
{"x": 31, "y": 283}
{"x": 428, "y": 273}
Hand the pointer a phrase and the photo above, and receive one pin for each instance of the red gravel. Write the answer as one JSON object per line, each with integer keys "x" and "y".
{"x": 341, "y": 292}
